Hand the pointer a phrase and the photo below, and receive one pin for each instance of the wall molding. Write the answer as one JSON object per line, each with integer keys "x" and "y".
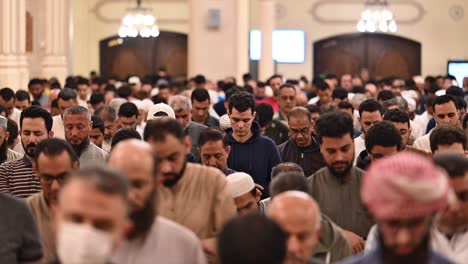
{"x": 98, "y": 11}
{"x": 421, "y": 12}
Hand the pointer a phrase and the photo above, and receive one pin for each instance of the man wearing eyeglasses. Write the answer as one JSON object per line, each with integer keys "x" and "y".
{"x": 53, "y": 160}
{"x": 302, "y": 147}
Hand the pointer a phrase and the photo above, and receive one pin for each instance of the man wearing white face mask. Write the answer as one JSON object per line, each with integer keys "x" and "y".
{"x": 91, "y": 216}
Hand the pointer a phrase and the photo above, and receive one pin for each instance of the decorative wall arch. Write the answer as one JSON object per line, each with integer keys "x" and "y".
{"x": 383, "y": 54}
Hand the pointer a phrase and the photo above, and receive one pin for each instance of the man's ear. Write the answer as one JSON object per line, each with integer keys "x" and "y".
{"x": 76, "y": 165}
{"x": 51, "y": 134}
{"x": 7, "y": 135}
{"x": 258, "y": 195}
{"x": 254, "y": 115}
{"x": 228, "y": 150}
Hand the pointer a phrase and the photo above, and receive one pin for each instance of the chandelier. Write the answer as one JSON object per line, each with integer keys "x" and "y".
{"x": 139, "y": 21}
{"x": 376, "y": 17}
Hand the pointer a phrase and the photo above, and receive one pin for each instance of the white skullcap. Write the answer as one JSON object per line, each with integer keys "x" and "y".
{"x": 418, "y": 79}
{"x": 224, "y": 122}
{"x": 240, "y": 183}
{"x": 161, "y": 107}
{"x": 134, "y": 80}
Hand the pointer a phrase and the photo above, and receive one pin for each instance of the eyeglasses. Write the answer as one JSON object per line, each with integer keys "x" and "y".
{"x": 49, "y": 179}
{"x": 304, "y": 131}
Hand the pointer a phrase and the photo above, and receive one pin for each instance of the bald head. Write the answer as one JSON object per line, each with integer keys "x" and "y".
{"x": 132, "y": 154}
{"x": 299, "y": 216}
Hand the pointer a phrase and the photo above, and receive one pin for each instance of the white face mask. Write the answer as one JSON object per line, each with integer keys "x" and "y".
{"x": 83, "y": 244}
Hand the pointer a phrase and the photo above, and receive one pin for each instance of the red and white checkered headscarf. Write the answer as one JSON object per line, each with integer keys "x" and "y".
{"x": 404, "y": 185}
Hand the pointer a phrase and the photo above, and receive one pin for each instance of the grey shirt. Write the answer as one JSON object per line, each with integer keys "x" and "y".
{"x": 20, "y": 239}
{"x": 166, "y": 242}
{"x": 341, "y": 201}
{"x": 93, "y": 155}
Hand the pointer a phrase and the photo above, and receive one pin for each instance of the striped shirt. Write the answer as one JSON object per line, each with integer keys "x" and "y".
{"x": 18, "y": 179}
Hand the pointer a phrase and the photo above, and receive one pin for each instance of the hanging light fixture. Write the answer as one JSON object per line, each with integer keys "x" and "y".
{"x": 139, "y": 21}
{"x": 376, "y": 17}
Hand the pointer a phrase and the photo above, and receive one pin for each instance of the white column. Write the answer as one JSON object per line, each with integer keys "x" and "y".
{"x": 14, "y": 71}
{"x": 55, "y": 63}
{"x": 242, "y": 37}
{"x": 267, "y": 24}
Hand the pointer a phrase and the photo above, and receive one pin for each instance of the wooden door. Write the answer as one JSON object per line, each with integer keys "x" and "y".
{"x": 384, "y": 55}
{"x": 123, "y": 57}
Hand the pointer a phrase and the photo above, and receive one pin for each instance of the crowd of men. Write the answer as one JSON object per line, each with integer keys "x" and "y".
{"x": 159, "y": 170}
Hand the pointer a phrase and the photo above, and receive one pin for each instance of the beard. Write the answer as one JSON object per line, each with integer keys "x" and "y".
{"x": 143, "y": 218}
{"x": 341, "y": 173}
{"x": 27, "y": 148}
{"x": 174, "y": 177}
{"x": 79, "y": 148}
{"x": 4, "y": 152}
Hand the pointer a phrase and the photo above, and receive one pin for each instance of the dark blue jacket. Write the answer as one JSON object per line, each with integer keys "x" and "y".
{"x": 257, "y": 156}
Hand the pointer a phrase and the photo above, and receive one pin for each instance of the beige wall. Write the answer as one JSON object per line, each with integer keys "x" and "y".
{"x": 441, "y": 37}
{"x": 94, "y": 22}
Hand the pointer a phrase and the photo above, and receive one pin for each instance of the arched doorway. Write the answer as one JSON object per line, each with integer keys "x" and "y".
{"x": 383, "y": 54}
{"x": 122, "y": 57}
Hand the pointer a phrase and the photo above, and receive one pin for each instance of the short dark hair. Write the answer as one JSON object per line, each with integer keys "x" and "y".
{"x": 242, "y": 101}
{"x": 397, "y": 116}
{"x": 54, "y": 147}
{"x": 455, "y": 164}
{"x": 229, "y": 92}
{"x": 383, "y": 134}
{"x": 124, "y": 134}
{"x": 128, "y": 109}
{"x": 104, "y": 179}
{"x": 97, "y": 98}
{"x": 370, "y": 105}
{"x": 67, "y": 94}
{"x": 454, "y": 91}
{"x": 54, "y": 103}
{"x": 346, "y": 105}
{"x": 340, "y": 93}
{"x": 158, "y": 129}
{"x": 199, "y": 79}
{"x": 314, "y": 109}
{"x": 212, "y": 134}
{"x": 124, "y": 91}
{"x": 13, "y": 130}
{"x": 287, "y": 86}
{"x": 22, "y": 95}
{"x": 334, "y": 125}
{"x": 98, "y": 123}
{"x": 322, "y": 85}
{"x": 35, "y": 111}
{"x": 34, "y": 81}
{"x": 3, "y": 109}
{"x": 82, "y": 81}
{"x": 252, "y": 239}
{"x": 7, "y": 94}
{"x": 286, "y": 167}
{"x": 265, "y": 114}
{"x": 385, "y": 95}
{"x": 443, "y": 99}
{"x": 200, "y": 95}
{"x": 447, "y": 135}
{"x": 288, "y": 181}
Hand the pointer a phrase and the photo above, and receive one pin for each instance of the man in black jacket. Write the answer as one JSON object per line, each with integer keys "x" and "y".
{"x": 302, "y": 147}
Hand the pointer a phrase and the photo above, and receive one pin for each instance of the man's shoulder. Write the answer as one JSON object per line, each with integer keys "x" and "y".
{"x": 174, "y": 230}
{"x": 206, "y": 172}
{"x": 95, "y": 149}
{"x": 320, "y": 174}
{"x": 34, "y": 200}
{"x": 13, "y": 205}
{"x": 11, "y": 164}
{"x": 196, "y": 126}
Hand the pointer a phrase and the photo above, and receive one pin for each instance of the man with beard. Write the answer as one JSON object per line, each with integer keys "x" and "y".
{"x": 153, "y": 239}
{"x": 403, "y": 192}
{"x": 54, "y": 160}
{"x": 17, "y": 177}
{"x": 108, "y": 116}
{"x": 192, "y": 195}
{"x": 336, "y": 187}
{"x": 302, "y": 148}
{"x": 78, "y": 124}
{"x": 66, "y": 98}
{"x": 6, "y": 154}
{"x": 370, "y": 112}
